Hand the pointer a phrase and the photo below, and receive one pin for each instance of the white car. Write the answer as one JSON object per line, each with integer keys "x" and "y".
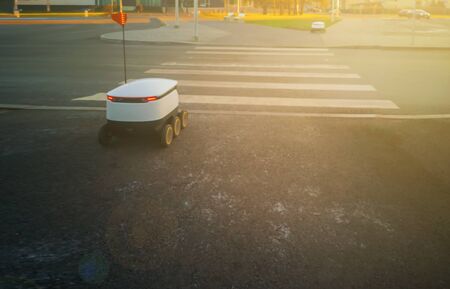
{"x": 410, "y": 13}
{"x": 318, "y": 26}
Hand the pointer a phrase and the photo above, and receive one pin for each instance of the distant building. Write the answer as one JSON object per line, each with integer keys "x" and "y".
{"x": 128, "y": 4}
{"x": 57, "y": 2}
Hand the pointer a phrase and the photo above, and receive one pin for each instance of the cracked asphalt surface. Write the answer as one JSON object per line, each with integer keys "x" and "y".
{"x": 236, "y": 202}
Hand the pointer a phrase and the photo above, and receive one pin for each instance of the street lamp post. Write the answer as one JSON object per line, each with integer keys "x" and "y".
{"x": 16, "y": 9}
{"x": 177, "y": 13}
{"x": 414, "y": 23}
{"x": 338, "y": 8}
{"x": 195, "y": 20}
{"x": 332, "y": 10}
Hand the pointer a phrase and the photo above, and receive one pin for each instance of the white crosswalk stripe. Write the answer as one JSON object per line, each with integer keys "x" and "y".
{"x": 101, "y": 96}
{"x": 252, "y": 73}
{"x": 275, "y": 85}
{"x": 263, "y": 66}
{"x": 244, "y": 48}
{"x": 271, "y": 101}
{"x": 261, "y": 53}
{"x": 293, "y": 102}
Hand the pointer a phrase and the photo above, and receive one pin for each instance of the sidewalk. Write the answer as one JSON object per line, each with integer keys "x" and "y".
{"x": 222, "y": 33}
{"x": 389, "y": 32}
{"x": 349, "y": 32}
{"x": 169, "y": 34}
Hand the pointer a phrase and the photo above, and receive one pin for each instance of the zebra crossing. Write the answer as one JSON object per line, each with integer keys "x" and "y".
{"x": 252, "y": 73}
{"x": 266, "y": 77}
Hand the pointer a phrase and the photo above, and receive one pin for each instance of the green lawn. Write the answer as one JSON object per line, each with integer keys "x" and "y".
{"x": 294, "y": 23}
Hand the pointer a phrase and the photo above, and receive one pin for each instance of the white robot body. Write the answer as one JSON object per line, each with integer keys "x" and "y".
{"x": 143, "y": 100}
{"x": 144, "y": 105}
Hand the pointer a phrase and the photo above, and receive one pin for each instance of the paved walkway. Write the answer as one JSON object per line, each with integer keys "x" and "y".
{"x": 223, "y": 33}
{"x": 391, "y": 32}
{"x": 349, "y": 32}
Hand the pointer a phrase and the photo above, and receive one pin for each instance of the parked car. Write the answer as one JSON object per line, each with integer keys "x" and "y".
{"x": 410, "y": 13}
{"x": 318, "y": 26}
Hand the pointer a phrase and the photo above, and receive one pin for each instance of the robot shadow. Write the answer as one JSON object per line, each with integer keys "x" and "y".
{"x": 136, "y": 141}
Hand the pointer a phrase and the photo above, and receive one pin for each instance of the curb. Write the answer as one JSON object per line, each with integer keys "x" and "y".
{"x": 386, "y": 47}
{"x": 379, "y": 47}
{"x": 139, "y": 42}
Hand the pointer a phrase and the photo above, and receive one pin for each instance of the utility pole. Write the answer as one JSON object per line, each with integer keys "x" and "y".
{"x": 338, "y": 8}
{"x": 48, "y": 5}
{"x": 177, "y": 13}
{"x": 225, "y": 5}
{"x": 238, "y": 8}
{"x": 195, "y": 20}
{"x": 16, "y": 9}
{"x": 413, "y": 36}
{"x": 112, "y": 6}
{"x": 332, "y": 11}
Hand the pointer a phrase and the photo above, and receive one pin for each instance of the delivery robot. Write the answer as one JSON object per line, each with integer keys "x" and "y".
{"x": 147, "y": 105}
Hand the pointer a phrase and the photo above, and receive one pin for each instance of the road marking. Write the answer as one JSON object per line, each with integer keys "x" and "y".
{"x": 250, "y": 113}
{"x": 325, "y": 115}
{"x": 261, "y": 53}
{"x": 48, "y": 107}
{"x": 239, "y": 65}
{"x": 259, "y": 48}
{"x": 253, "y": 73}
{"x": 101, "y": 96}
{"x": 272, "y": 101}
{"x": 274, "y": 85}
{"x": 292, "y": 102}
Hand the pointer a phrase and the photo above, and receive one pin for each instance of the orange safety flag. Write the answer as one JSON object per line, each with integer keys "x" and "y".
{"x": 120, "y": 18}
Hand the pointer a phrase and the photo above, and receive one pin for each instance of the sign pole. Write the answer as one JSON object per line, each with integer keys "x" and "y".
{"x": 124, "y": 54}
{"x": 123, "y": 44}
{"x": 121, "y": 19}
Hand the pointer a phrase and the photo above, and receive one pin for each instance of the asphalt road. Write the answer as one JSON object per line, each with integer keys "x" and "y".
{"x": 53, "y": 64}
{"x": 238, "y": 201}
